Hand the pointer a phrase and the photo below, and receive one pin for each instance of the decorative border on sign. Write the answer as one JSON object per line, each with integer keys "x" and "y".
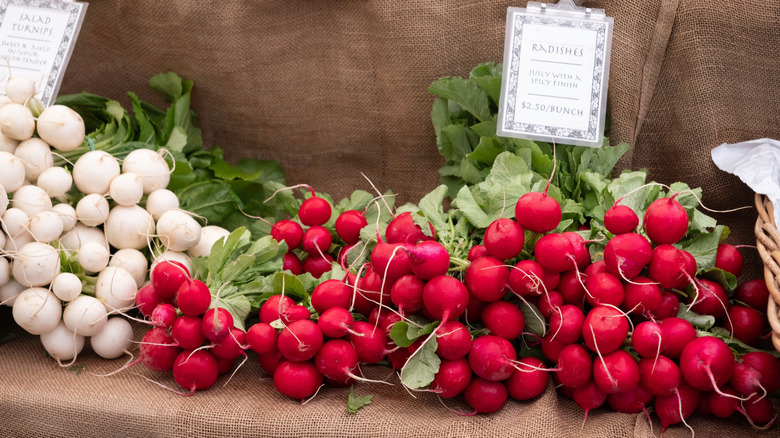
{"x": 75, "y": 18}
{"x": 600, "y": 27}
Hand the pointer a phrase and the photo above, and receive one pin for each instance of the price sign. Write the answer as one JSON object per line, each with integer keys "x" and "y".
{"x": 36, "y": 40}
{"x": 556, "y": 70}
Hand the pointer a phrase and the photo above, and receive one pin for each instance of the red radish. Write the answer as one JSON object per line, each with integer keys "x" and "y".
{"x": 300, "y": 340}
{"x": 289, "y": 232}
{"x": 746, "y": 379}
{"x": 454, "y": 340}
{"x": 369, "y": 343}
{"x": 721, "y": 406}
{"x": 406, "y": 293}
{"x": 193, "y": 297}
{"x": 274, "y": 307}
{"x": 292, "y": 263}
{"x": 485, "y": 396}
{"x": 581, "y": 253}
{"x": 398, "y": 358}
{"x": 390, "y": 261}
{"x": 337, "y": 360}
{"x": 526, "y": 278}
{"x": 331, "y": 293}
{"x": 745, "y": 324}
{"x": 729, "y": 259}
{"x": 707, "y": 363}
{"x": 473, "y": 312}
{"x": 167, "y": 276}
{"x": 588, "y": 397}
{"x": 665, "y": 221}
{"x": 551, "y": 348}
{"x": 270, "y": 361}
{"x": 342, "y": 257}
{"x": 296, "y": 313}
{"x": 754, "y": 293}
{"x": 667, "y": 266}
{"x": 188, "y": 333}
{"x": 372, "y": 290}
{"x": 314, "y": 211}
{"x": 669, "y": 408}
{"x": 574, "y": 366}
{"x": 595, "y": 268}
{"x": 555, "y": 253}
{"x": 452, "y": 378}
{"x": 550, "y": 280}
{"x": 297, "y": 380}
{"x": 445, "y": 298}
{"x": 230, "y": 347}
{"x": 318, "y": 265}
{"x": 604, "y": 288}
{"x": 402, "y": 229}
{"x": 476, "y": 252}
{"x": 571, "y": 287}
{"x": 676, "y": 334}
{"x": 491, "y": 358}
{"x": 549, "y": 303}
{"x": 669, "y": 307}
{"x": 386, "y": 320}
{"x": 529, "y": 380}
{"x": 616, "y": 372}
{"x": 428, "y": 259}
{"x": 194, "y": 370}
{"x": 647, "y": 339}
{"x": 146, "y": 300}
{"x": 759, "y": 411}
{"x": 704, "y": 404}
{"x": 604, "y": 329}
{"x": 712, "y": 299}
{"x": 503, "y": 319}
{"x": 261, "y": 338}
{"x": 317, "y": 240}
{"x": 690, "y": 268}
{"x": 642, "y": 296}
{"x": 620, "y": 219}
{"x": 632, "y": 401}
{"x": 659, "y": 375}
{"x": 158, "y": 350}
{"x": 224, "y": 365}
{"x": 349, "y": 224}
{"x": 768, "y": 368}
{"x": 537, "y": 212}
{"x": 566, "y": 324}
{"x": 504, "y": 239}
{"x": 216, "y": 324}
{"x": 627, "y": 254}
{"x": 564, "y": 391}
{"x": 163, "y": 316}
{"x": 335, "y": 322}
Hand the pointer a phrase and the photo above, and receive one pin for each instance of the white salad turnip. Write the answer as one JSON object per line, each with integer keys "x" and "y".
{"x": 19, "y": 89}
{"x": 36, "y": 156}
{"x": 31, "y": 200}
{"x": 67, "y": 215}
{"x": 92, "y": 210}
{"x": 80, "y": 235}
{"x": 11, "y": 172}
{"x": 132, "y": 261}
{"x": 126, "y": 189}
{"x": 61, "y": 343}
{"x": 93, "y": 257}
{"x": 114, "y": 340}
{"x": 61, "y": 127}
{"x": 210, "y": 234}
{"x": 150, "y": 166}
{"x": 46, "y": 226}
{"x": 9, "y": 292}
{"x": 173, "y": 256}
{"x": 178, "y": 231}
{"x": 94, "y": 171}
{"x": 66, "y": 286}
{"x": 37, "y": 310}
{"x": 36, "y": 264}
{"x": 85, "y": 316}
{"x": 55, "y": 181}
{"x": 116, "y": 288}
{"x": 129, "y": 227}
{"x": 160, "y": 201}
{"x": 16, "y": 121}
{"x": 8, "y": 144}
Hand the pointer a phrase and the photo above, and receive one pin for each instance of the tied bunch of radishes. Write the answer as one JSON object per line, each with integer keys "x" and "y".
{"x": 190, "y": 338}
{"x": 75, "y": 236}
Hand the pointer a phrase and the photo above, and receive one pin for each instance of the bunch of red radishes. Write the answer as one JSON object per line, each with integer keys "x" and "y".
{"x": 610, "y": 331}
{"x": 193, "y": 340}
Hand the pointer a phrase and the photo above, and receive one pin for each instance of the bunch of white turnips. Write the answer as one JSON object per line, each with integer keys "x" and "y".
{"x": 40, "y": 225}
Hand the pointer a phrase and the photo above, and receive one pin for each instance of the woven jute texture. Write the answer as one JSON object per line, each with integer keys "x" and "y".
{"x": 334, "y": 88}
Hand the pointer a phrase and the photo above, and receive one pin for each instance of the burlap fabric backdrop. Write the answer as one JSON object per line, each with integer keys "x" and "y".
{"x": 333, "y": 88}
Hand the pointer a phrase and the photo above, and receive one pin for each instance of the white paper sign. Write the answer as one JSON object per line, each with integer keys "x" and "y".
{"x": 36, "y": 40}
{"x": 556, "y": 70}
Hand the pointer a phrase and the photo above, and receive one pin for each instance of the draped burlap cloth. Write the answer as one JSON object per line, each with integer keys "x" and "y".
{"x": 334, "y": 88}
